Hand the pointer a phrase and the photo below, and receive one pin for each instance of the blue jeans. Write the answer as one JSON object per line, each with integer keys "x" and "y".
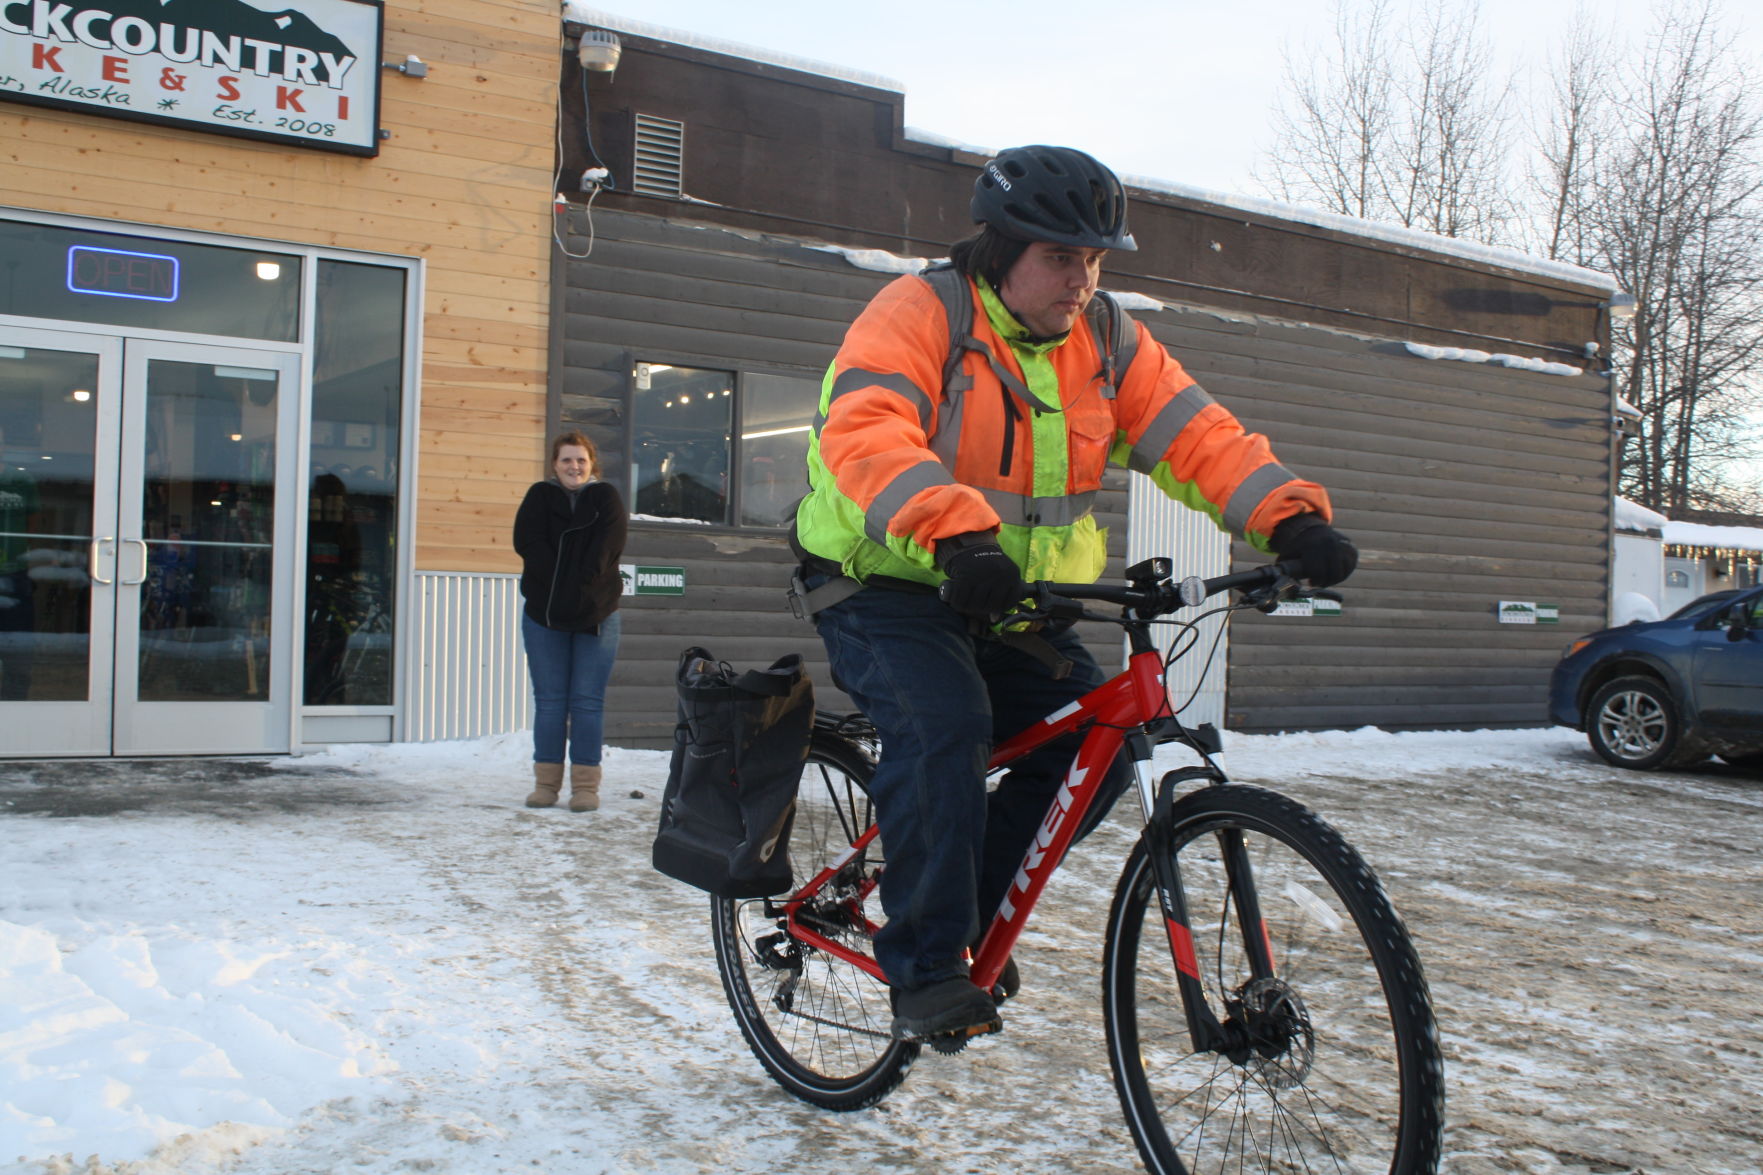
{"x": 569, "y": 671}
{"x": 940, "y": 697}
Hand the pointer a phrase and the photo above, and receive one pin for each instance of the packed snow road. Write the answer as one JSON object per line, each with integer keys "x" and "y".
{"x": 376, "y": 960}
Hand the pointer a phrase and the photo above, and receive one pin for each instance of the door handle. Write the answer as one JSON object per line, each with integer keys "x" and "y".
{"x": 92, "y": 560}
{"x": 142, "y": 543}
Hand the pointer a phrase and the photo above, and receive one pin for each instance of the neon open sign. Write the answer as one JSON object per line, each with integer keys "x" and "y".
{"x": 118, "y": 273}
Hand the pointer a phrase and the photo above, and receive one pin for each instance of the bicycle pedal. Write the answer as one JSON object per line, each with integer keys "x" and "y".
{"x": 950, "y": 1043}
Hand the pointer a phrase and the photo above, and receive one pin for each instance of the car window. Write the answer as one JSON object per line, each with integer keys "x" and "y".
{"x": 1702, "y": 605}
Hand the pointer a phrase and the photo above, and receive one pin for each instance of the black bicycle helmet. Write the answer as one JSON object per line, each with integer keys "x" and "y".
{"x": 1053, "y": 194}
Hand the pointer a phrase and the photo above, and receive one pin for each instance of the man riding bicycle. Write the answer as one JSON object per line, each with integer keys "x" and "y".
{"x": 962, "y": 435}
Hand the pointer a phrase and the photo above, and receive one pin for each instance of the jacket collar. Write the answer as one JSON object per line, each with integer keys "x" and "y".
{"x": 1008, "y": 327}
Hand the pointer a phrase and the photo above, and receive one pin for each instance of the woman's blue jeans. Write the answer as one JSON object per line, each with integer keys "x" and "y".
{"x": 940, "y": 698}
{"x": 569, "y": 671}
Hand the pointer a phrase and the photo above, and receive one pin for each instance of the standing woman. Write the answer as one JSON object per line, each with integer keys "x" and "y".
{"x": 569, "y": 534}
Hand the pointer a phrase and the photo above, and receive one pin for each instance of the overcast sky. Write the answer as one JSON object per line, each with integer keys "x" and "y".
{"x": 1170, "y": 89}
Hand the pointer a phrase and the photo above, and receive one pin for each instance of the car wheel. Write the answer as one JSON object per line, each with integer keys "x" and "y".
{"x": 1633, "y": 722}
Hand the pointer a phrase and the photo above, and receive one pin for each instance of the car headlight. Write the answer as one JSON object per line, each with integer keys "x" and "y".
{"x": 1575, "y": 647}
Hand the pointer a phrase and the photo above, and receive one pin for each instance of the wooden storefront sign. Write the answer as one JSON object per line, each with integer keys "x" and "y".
{"x": 307, "y": 73}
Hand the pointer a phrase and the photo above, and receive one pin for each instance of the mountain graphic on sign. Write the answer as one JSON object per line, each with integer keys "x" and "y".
{"x": 233, "y": 18}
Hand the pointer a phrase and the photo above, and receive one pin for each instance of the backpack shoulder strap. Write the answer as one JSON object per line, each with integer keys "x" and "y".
{"x": 1116, "y": 339}
{"x": 957, "y": 298}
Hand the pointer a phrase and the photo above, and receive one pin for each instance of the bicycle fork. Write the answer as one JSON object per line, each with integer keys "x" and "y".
{"x": 1233, "y": 1036}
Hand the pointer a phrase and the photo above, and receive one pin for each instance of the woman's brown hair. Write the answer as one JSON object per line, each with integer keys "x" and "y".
{"x": 576, "y": 437}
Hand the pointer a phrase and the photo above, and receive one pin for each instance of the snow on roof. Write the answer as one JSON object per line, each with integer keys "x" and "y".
{"x": 1393, "y": 234}
{"x": 577, "y": 11}
{"x": 1724, "y": 538}
{"x": 1465, "y": 355}
{"x": 1632, "y": 516}
{"x": 881, "y": 261}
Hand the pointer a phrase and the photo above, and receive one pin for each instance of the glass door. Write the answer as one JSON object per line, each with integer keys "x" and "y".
{"x": 60, "y": 397}
{"x": 204, "y": 618}
{"x": 146, "y": 536}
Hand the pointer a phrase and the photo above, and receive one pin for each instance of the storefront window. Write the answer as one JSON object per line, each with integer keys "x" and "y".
{"x": 147, "y": 282}
{"x": 686, "y": 441}
{"x": 352, "y": 533}
{"x": 681, "y": 417}
{"x": 777, "y": 416}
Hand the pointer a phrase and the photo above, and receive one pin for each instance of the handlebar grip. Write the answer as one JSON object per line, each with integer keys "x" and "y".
{"x": 1255, "y": 577}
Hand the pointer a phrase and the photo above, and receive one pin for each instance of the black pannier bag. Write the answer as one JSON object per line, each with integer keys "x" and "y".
{"x": 738, "y": 753}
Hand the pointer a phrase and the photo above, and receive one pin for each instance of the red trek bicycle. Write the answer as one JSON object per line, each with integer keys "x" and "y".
{"x": 1265, "y": 1008}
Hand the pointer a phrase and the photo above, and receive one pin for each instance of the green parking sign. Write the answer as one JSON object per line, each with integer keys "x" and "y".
{"x": 643, "y": 580}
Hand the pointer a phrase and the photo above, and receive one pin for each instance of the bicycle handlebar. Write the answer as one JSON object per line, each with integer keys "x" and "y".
{"x": 1164, "y": 596}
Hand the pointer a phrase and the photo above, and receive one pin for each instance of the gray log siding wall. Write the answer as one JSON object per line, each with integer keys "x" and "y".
{"x": 1463, "y": 484}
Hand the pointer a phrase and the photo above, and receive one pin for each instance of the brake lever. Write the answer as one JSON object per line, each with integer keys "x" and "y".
{"x": 1269, "y": 598}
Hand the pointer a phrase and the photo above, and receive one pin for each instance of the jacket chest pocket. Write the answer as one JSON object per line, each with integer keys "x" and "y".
{"x": 1090, "y": 430}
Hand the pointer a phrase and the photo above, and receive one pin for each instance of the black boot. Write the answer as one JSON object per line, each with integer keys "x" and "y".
{"x": 949, "y": 1006}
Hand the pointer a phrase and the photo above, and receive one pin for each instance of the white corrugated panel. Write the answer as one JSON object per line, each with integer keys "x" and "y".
{"x": 468, "y": 674}
{"x": 1159, "y": 525}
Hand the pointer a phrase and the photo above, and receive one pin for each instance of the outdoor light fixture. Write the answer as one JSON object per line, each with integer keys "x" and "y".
{"x": 1620, "y": 306}
{"x": 269, "y": 270}
{"x": 599, "y": 50}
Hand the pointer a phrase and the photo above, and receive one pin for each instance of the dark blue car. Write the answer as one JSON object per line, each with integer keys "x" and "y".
{"x": 1670, "y": 692}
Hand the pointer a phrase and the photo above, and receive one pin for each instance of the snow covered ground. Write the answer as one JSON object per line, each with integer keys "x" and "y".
{"x": 377, "y": 960}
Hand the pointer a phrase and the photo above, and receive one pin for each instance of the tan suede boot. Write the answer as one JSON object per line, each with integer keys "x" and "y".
{"x": 547, "y": 781}
{"x": 584, "y": 787}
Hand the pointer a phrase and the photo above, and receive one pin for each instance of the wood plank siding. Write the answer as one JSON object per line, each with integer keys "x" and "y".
{"x": 657, "y": 290}
{"x": 464, "y": 182}
{"x": 1463, "y": 483}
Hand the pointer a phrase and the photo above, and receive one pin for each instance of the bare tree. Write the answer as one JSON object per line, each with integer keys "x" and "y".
{"x": 1335, "y": 126}
{"x": 1563, "y": 173}
{"x": 1397, "y": 124}
{"x": 1673, "y": 209}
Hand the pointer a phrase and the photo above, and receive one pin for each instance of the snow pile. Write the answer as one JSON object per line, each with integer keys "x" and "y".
{"x": 115, "y": 1042}
{"x": 1466, "y": 355}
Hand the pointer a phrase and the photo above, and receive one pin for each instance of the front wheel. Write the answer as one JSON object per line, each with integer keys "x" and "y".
{"x": 1633, "y": 722}
{"x": 1328, "y": 1059}
{"x": 819, "y": 1025}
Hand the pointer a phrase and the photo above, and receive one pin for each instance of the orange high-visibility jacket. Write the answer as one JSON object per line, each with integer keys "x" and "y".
{"x": 897, "y": 461}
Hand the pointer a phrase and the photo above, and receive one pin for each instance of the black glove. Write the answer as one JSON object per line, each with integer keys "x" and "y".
{"x": 1327, "y": 555}
{"x": 983, "y": 581}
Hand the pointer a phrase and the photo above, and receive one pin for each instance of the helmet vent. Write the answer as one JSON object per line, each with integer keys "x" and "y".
{"x": 661, "y": 156}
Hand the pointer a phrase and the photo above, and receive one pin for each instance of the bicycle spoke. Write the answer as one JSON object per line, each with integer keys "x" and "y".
{"x": 815, "y": 1021}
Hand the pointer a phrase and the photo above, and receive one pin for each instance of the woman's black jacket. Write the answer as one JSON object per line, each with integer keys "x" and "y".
{"x": 570, "y": 579}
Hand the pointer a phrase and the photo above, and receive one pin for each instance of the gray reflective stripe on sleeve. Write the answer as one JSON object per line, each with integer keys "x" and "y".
{"x": 1166, "y": 426}
{"x": 946, "y": 441}
{"x": 897, "y": 493}
{"x": 1019, "y": 510}
{"x": 855, "y": 379}
{"x": 1252, "y": 493}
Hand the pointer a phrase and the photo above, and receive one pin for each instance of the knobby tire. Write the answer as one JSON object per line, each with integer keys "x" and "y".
{"x": 1347, "y": 1076}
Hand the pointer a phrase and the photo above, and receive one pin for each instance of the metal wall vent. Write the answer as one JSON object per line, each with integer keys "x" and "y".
{"x": 661, "y": 151}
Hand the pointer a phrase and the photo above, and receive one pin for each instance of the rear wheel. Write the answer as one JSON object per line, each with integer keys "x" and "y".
{"x": 819, "y": 1025}
{"x": 1633, "y": 722}
{"x": 1331, "y": 1063}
